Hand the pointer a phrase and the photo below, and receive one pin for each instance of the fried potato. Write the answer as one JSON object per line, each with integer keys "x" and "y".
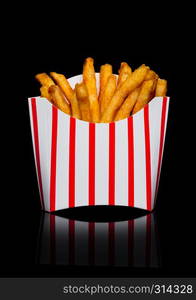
{"x": 124, "y": 71}
{"x": 90, "y": 82}
{"x": 44, "y": 92}
{"x": 75, "y": 107}
{"x": 151, "y": 75}
{"x": 44, "y": 79}
{"x": 83, "y": 100}
{"x": 62, "y": 82}
{"x": 132, "y": 82}
{"x": 108, "y": 92}
{"x": 127, "y": 106}
{"x": 144, "y": 95}
{"x": 58, "y": 99}
{"x": 161, "y": 88}
{"x": 105, "y": 73}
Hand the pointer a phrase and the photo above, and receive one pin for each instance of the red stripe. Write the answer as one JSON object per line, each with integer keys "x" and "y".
{"x": 91, "y": 243}
{"x": 92, "y": 164}
{"x": 130, "y": 241}
{"x": 36, "y": 142}
{"x": 162, "y": 132}
{"x": 111, "y": 243}
{"x": 72, "y": 145}
{"x": 53, "y": 158}
{"x": 130, "y": 162}
{"x": 71, "y": 242}
{"x": 52, "y": 240}
{"x": 111, "y": 163}
{"x": 148, "y": 240}
{"x": 148, "y": 158}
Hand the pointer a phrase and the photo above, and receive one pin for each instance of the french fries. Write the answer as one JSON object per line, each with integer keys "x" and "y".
{"x": 124, "y": 71}
{"x": 117, "y": 98}
{"x": 46, "y": 82}
{"x": 108, "y": 92}
{"x": 44, "y": 79}
{"x": 127, "y": 106}
{"x": 131, "y": 83}
{"x": 144, "y": 95}
{"x": 161, "y": 88}
{"x": 90, "y": 82}
{"x": 64, "y": 85}
{"x": 58, "y": 99}
{"x": 83, "y": 100}
{"x": 105, "y": 73}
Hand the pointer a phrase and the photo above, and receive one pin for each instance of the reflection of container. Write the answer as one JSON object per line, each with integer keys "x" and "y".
{"x": 80, "y": 163}
{"x": 127, "y": 243}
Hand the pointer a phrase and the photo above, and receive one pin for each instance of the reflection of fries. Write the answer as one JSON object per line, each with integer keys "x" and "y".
{"x": 90, "y": 81}
{"x": 124, "y": 72}
{"x": 108, "y": 92}
{"x": 127, "y": 106}
{"x": 105, "y": 73}
{"x": 161, "y": 88}
{"x": 58, "y": 99}
{"x": 132, "y": 82}
{"x": 82, "y": 96}
{"x": 144, "y": 95}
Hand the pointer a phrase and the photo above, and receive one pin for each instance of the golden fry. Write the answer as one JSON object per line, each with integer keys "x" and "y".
{"x": 44, "y": 92}
{"x": 83, "y": 100}
{"x": 58, "y": 99}
{"x": 108, "y": 92}
{"x": 75, "y": 107}
{"x": 132, "y": 82}
{"x": 90, "y": 82}
{"x": 127, "y": 106}
{"x": 124, "y": 71}
{"x": 105, "y": 73}
{"x": 144, "y": 95}
{"x": 44, "y": 79}
{"x": 161, "y": 88}
{"x": 64, "y": 85}
{"x": 151, "y": 75}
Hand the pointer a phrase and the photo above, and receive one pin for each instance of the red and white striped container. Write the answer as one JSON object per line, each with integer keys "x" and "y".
{"x": 80, "y": 163}
{"x": 131, "y": 243}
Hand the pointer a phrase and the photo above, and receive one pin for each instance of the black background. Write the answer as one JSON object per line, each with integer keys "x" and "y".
{"x": 37, "y": 45}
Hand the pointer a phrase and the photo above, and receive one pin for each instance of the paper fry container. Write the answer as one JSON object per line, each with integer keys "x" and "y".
{"x": 126, "y": 243}
{"x": 80, "y": 163}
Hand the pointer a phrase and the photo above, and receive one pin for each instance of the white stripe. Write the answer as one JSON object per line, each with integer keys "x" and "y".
{"x": 101, "y": 164}
{"x": 61, "y": 236}
{"x": 121, "y": 163}
{"x": 33, "y": 139}
{"x": 121, "y": 243}
{"x": 155, "y": 110}
{"x": 81, "y": 243}
{"x": 44, "y": 116}
{"x": 101, "y": 243}
{"x": 81, "y": 163}
{"x": 139, "y": 160}
{"x": 139, "y": 243}
{"x": 62, "y": 176}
